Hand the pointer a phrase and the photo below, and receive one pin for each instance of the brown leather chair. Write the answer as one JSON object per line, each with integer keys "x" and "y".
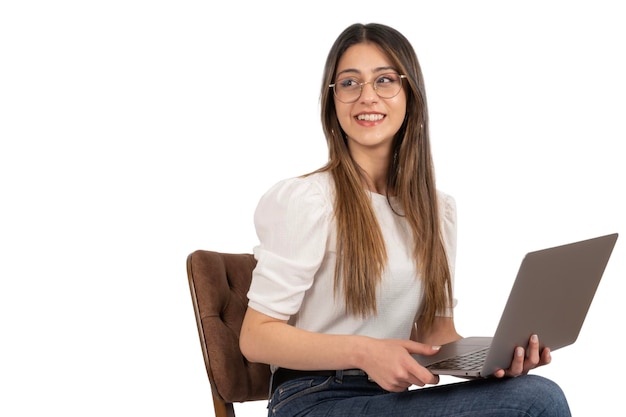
{"x": 219, "y": 283}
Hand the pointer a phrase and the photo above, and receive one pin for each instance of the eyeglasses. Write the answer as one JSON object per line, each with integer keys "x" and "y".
{"x": 349, "y": 89}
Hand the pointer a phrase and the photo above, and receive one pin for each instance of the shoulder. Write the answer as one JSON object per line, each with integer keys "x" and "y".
{"x": 298, "y": 198}
{"x": 447, "y": 205}
{"x": 315, "y": 188}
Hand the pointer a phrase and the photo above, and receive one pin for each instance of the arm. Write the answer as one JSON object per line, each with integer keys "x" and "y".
{"x": 268, "y": 340}
{"x": 441, "y": 332}
{"x": 386, "y": 361}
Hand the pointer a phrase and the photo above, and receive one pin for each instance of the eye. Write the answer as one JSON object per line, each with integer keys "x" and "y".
{"x": 348, "y": 83}
{"x": 387, "y": 80}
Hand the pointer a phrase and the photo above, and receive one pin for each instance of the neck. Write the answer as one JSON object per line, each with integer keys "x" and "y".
{"x": 374, "y": 174}
{"x": 374, "y": 165}
{"x": 378, "y": 187}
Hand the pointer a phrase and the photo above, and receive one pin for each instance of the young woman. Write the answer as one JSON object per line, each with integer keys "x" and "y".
{"x": 356, "y": 260}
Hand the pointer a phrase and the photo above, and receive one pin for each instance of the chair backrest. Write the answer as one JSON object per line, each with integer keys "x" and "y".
{"x": 219, "y": 284}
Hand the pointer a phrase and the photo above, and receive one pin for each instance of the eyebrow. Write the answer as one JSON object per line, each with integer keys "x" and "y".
{"x": 356, "y": 71}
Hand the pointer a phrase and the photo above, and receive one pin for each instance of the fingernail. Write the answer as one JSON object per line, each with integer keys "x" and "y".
{"x": 534, "y": 338}
{"x": 436, "y": 347}
{"x": 519, "y": 351}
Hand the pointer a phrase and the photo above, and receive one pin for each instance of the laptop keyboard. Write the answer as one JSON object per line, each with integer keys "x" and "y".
{"x": 469, "y": 361}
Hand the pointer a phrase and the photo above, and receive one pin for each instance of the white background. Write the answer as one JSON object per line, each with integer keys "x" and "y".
{"x": 134, "y": 132}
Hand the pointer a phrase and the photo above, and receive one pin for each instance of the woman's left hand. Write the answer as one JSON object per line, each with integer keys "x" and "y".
{"x": 524, "y": 361}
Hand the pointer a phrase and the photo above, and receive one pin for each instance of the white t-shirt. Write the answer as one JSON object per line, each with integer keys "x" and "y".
{"x": 294, "y": 276}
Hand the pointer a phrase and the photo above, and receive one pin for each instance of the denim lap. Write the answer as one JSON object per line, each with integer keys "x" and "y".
{"x": 526, "y": 396}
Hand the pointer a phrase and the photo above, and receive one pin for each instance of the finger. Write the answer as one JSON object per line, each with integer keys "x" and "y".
{"x": 398, "y": 384}
{"x": 423, "y": 380}
{"x": 532, "y": 354}
{"x": 422, "y": 349}
{"x": 517, "y": 365}
{"x": 418, "y": 375}
{"x": 546, "y": 356}
{"x": 428, "y": 378}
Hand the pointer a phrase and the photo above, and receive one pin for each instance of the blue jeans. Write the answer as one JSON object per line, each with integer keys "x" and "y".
{"x": 528, "y": 396}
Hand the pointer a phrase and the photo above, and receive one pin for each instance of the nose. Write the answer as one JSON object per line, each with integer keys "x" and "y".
{"x": 368, "y": 93}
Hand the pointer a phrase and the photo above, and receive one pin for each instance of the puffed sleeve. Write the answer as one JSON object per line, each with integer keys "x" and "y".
{"x": 448, "y": 219}
{"x": 292, "y": 222}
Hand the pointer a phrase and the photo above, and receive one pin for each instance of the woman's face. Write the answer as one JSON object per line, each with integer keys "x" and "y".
{"x": 370, "y": 122}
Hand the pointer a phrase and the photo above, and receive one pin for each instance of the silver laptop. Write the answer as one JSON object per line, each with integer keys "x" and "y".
{"x": 550, "y": 297}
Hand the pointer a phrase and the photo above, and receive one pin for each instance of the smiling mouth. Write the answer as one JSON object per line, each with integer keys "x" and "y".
{"x": 370, "y": 117}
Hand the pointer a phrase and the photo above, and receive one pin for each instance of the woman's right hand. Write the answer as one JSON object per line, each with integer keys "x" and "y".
{"x": 389, "y": 363}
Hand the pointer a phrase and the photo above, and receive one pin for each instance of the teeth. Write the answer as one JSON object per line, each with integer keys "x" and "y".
{"x": 370, "y": 117}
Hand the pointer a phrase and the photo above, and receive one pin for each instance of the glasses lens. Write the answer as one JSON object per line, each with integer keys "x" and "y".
{"x": 347, "y": 90}
{"x": 388, "y": 85}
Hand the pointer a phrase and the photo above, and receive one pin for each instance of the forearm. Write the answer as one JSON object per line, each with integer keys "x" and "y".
{"x": 275, "y": 342}
{"x": 441, "y": 332}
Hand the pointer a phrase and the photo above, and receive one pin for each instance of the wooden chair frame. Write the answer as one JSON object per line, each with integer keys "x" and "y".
{"x": 218, "y": 283}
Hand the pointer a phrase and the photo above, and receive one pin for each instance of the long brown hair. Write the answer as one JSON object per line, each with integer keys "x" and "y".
{"x": 362, "y": 256}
